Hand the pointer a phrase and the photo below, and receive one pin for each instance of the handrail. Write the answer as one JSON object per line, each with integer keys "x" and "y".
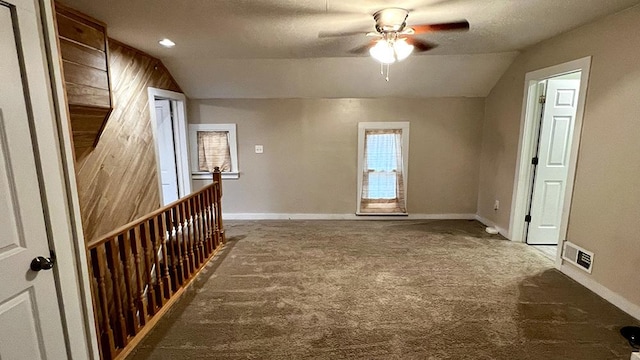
{"x": 140, "y": 269}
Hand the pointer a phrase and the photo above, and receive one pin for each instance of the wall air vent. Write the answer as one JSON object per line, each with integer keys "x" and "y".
{"x": 578, "y": 256}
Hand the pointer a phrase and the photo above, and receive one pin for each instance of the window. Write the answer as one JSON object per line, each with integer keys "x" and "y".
{"x": 383, "y": 150}
{"x": 213, "y": 145}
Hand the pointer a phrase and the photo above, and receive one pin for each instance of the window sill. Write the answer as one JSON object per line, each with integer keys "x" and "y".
{"x": 209, "y": 176}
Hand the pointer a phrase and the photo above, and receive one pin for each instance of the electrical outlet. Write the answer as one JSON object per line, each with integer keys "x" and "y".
{"x": 259, "y": 149}
{"x": 496, "y": 205}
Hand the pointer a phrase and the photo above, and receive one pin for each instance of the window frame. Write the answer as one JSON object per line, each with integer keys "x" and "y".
{"x": 389, "y": 125}
{"x": 233, "y": 149}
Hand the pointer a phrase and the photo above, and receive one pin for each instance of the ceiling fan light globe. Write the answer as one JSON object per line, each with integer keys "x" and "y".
{"x": 383, "y": 52}
{"x": 402, "y": 49}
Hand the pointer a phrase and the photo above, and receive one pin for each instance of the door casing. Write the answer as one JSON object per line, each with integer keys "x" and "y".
{"x": 178, "y": 101}
{"x": 526, "y": 147}
{"x": 166, "y": 135}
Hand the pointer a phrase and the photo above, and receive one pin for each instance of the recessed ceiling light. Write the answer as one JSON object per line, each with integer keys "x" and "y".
{"x": 167, "y": 43}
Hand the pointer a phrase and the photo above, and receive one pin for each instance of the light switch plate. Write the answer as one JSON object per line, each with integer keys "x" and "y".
{"x": 259, "y": 149}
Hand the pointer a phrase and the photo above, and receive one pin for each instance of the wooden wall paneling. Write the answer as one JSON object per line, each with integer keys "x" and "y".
{"x": 73, "y": 26}
{"x": 88, "y": 96}
{"x": 86, "y": 123}
{"x": 117, "y": 181}
{"x": 83, "y": 48}
{"x": 83, "y": 55}
{"x": 84, "y": 75}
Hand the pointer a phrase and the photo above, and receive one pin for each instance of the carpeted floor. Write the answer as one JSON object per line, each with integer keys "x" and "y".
{"x": 383, "y": 290}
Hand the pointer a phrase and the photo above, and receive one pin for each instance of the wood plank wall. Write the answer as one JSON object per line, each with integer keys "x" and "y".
{"x": 117, "y": 181}
{"x": 83, "y": 48}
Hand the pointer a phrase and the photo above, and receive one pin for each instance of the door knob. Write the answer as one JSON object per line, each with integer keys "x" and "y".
{"x": 42, "y": 263}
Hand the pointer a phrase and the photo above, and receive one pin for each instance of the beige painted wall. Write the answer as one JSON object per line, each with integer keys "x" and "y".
{"x": 310, "y": 152}
{"x": 605, "y": 212}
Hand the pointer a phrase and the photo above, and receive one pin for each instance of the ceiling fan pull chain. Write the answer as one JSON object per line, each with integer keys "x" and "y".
{"x": 382, "y": 69}
{"x": 388, "y": 67}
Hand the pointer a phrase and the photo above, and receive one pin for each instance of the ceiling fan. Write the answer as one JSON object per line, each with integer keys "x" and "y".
{"x": 395, "y": 40}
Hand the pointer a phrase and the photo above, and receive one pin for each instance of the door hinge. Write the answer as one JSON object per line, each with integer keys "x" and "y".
{"x": 527, "y": 218}
{"x": 534, "y": 161}
{"x": 542, "y": 99}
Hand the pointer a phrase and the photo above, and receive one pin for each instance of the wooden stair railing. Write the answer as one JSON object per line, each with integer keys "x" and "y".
{"x": 139, "y": 270}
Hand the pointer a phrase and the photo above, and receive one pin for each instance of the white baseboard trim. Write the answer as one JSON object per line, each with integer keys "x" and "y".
{"x": 488, "y": 222}
{"x": 587, "y": 281}
{"x": 288, "y": 216}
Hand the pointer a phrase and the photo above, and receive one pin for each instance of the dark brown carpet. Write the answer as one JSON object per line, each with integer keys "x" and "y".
{"x": 384, "y": 290}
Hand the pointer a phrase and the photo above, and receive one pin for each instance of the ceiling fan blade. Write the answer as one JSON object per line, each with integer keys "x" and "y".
{"x": 330, "y": 34}
{"x": 420, "y": 45}
{"x": 362, "y": 49}
{"x": 427, "y": 28}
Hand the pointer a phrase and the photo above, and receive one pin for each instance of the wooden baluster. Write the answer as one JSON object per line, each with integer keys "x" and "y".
{"x": 199, "y": 248}
{"x": 207, "y": 221}
{"x": 186, "y": 221}
{"x": 95, "y": 296}
{"x": 203, "y": 224}
{"x": 209, "y": 218}
{"x": 138, "y": 252}
{"x": 214, "y": 214}
{"x": 216, "y": 220}
{"x": 124, "y": 244}
{"x": 175, "y": 242}
{"x": 193, "y": 259}
{"x": 201, "y": 237}
{"x": 156, "y": 248}
{"x": 114, "y": 263}
{"x": 223, "y": 236}
{"x": 150, "y": 268}
{"x": 106, "y": 334}
{"x": 182, "y": 240}
{"x": 177, "y": 239}
{"x": 198, "y": 229}
{"x": 214, "y": 217}
{"x": 164, "y": 243}
{"x": 197, "y": 234}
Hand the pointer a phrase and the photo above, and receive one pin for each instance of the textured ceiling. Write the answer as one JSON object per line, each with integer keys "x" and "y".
{"x": 267, "y": 37}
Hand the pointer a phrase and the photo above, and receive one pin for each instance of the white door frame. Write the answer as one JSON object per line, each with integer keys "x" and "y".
{"x": 526, "y": 147}
{"x": 178, "y": 101}
{"x": 57, "y": 164}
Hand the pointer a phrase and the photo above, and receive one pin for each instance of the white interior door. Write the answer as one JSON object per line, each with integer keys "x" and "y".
{"x": 553, "y": 157}
{"x": 166, "y": 152}
{"x": 30, "y": 322}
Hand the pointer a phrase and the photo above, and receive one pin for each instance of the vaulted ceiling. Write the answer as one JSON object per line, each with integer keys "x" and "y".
{"x": 271, "y": 48}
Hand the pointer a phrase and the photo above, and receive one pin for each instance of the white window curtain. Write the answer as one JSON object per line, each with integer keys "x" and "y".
{"x": 383, "y": 178}
{"x": 214, "y": 150}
